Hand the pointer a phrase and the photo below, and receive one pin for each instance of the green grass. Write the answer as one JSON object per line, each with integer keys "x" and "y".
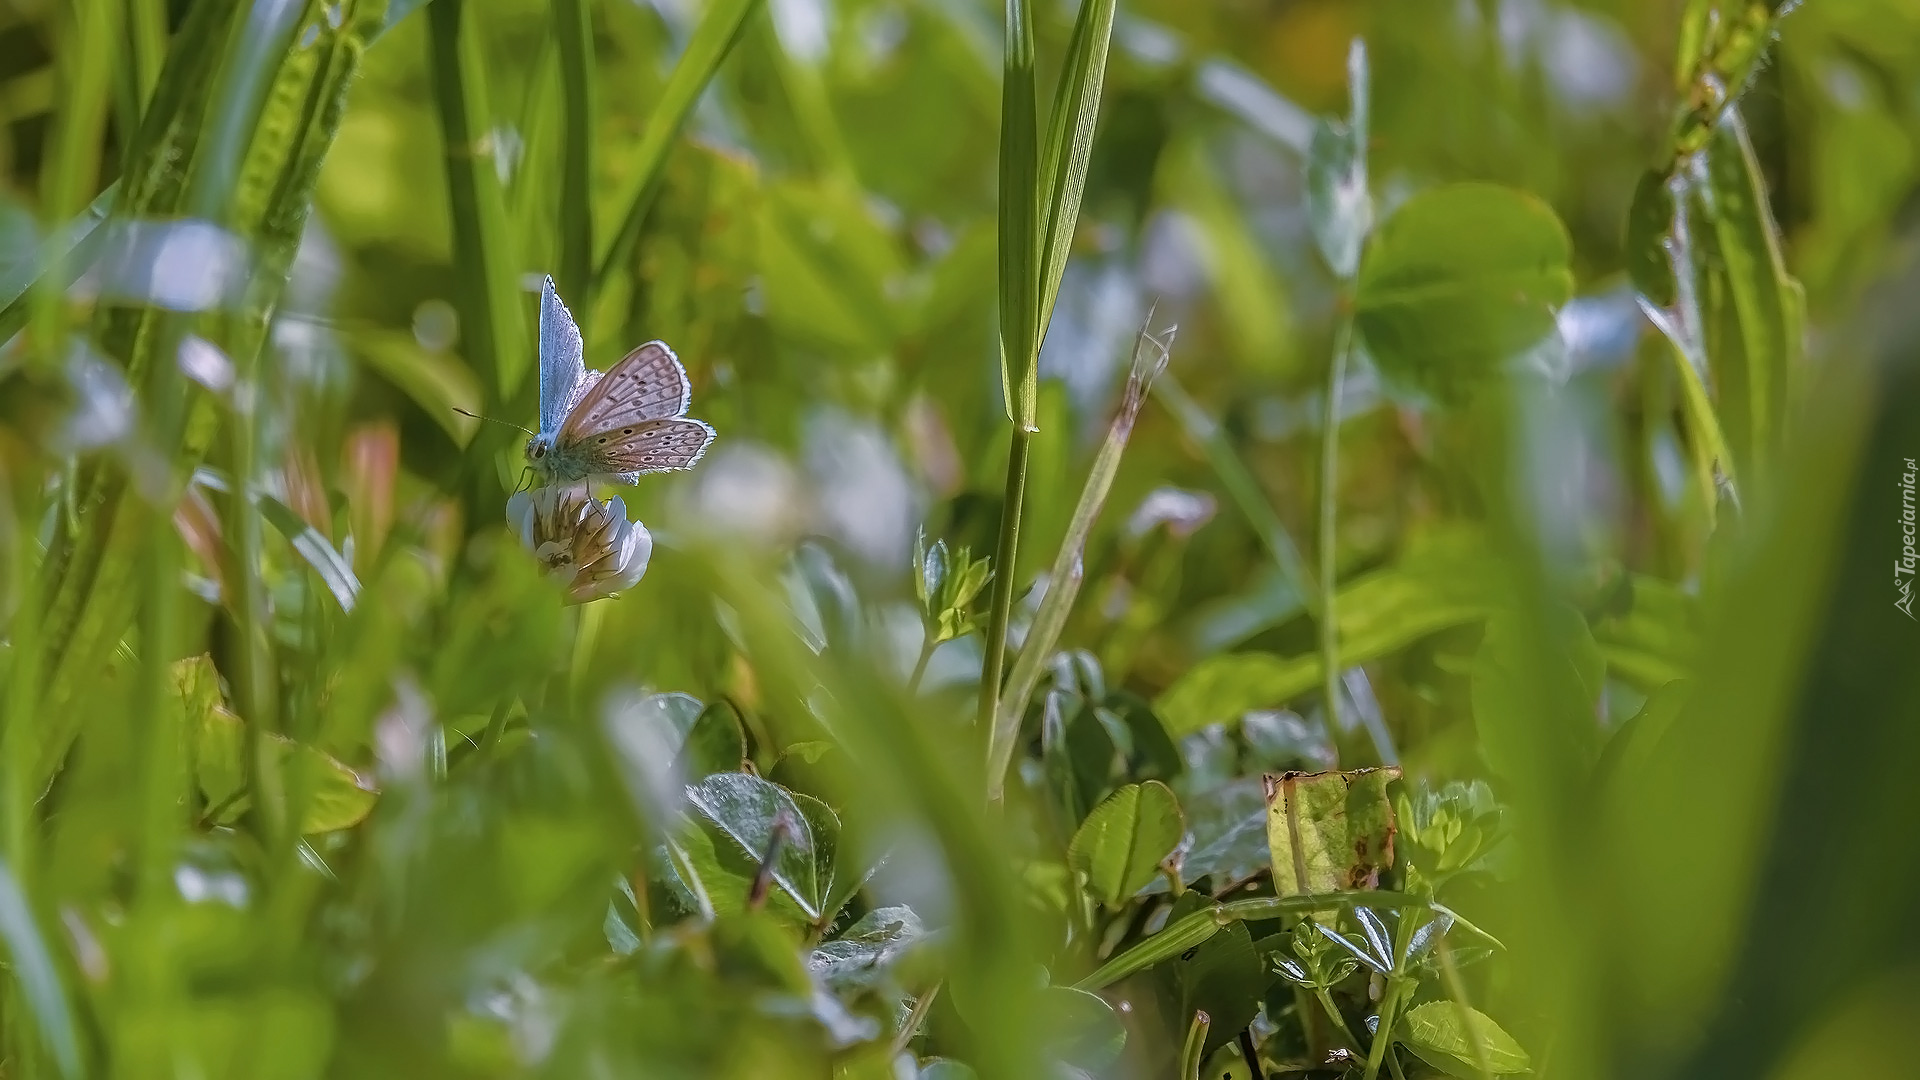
{"x": 1472, "y": 654}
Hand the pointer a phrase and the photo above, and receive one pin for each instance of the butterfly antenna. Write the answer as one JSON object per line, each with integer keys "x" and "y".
{"x": 491, "y": 420}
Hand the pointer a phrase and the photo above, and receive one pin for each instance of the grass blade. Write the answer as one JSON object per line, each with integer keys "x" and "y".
{"x": 1193, "y": 929}
{"x": 1020, "y": 232}
{"x": 1076, "y": 109}
{"x": 32, "y": 964}
{"x": 1242, "y": 488}
{"x": 490, "y": 302}
{"x": 573, "y": 30}
{"x": 84, "y": 66}
{"x": 69, "y": 251}
{"x": 313, "y": 548}
{"x": 711, "y": 41}
{"x": 1342, "y": 223}
{"x": 236, "y": 131}
{"x": 1019, "y": 264}
{"x": 1149, "y": 359}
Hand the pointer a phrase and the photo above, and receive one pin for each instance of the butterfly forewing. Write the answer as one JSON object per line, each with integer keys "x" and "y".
{"x": 562, "y": 359}
{"x": 666, "y": 445}
{"x": 647, "y": 384}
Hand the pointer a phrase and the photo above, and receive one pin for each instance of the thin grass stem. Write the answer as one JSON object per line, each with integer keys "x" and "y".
{"x": 993, "y": 662}
{"x": 1328, "y": 616}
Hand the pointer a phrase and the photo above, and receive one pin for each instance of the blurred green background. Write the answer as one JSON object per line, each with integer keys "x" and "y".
{"x": 325, "y": 781}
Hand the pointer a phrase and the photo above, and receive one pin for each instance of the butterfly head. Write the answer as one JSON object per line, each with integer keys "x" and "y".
{"x": 538, "y": 448}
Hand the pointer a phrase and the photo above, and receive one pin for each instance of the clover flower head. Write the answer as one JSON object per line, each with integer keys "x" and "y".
{"x": 588, "y": 546}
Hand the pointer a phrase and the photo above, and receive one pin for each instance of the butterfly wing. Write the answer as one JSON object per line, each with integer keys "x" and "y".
{"x": 562, "y": 360}
{"x": 670, "y": 444}
{"x": 647, "y": 384}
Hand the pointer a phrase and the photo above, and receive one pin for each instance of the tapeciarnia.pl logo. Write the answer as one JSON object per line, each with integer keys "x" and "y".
{"x": 1903, "y": 567}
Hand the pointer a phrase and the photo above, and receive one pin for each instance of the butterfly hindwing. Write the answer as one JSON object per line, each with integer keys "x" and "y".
{"x": 664, "y": 445}
{"x": 647, "y": 384}
{"x": 562, "y": 360}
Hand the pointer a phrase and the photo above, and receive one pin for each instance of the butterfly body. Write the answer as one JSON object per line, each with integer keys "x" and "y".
{"x": 609, "y": 427}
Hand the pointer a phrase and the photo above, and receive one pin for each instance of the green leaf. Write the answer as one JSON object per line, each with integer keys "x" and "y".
{"x": 715, "y": 36}
{"x": 439, "y": 383}
{"x": 1656, "y": 640}
{"x": 714, "y": 743}
{"x": 823, "y": 827}
{"x": 862, "y": 955}
{"x": 1229, "y": 827}
{"x": 1445, "y": 1034}
{"x": 1339, "y": 206}
{"x": 1752, "y": 307}
{"x": 1446, "y": 581}
{"x": 1088, "y": 1033}
{"x": 1120, "y": 845}
{"x": 741, "y": 811}
{"x": 1514, "y": 728}
{"x": 1225, "y": 978}
{"x": 336, "y": 796}
{"x": 930, "y": 566}
{"x": 1459, "y": 281}
{"x": 1329, "y": 831}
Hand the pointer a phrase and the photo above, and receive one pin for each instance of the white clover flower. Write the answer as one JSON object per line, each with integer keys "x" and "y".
{"x": 588, "y": 546}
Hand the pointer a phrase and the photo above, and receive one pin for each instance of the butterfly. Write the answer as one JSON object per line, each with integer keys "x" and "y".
{"x": 613, "y": 426}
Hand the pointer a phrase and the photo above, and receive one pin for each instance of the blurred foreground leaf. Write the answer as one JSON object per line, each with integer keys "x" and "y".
{"x": 1445, "y": 582}
{"x": 1459, "y": 281}
{"x": 335, "y": 796}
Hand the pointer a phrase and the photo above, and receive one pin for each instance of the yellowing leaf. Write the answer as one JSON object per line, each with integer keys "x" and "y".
{"x": 336, "y": 796}
{"x": 1329, "y": 831}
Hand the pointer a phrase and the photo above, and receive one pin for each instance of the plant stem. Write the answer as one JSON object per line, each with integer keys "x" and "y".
{"x": 928, "y": 643}
{"x": 1383, "y": 1036}
{"x": 921, "y": 1006}
{"x": 1457, "y": 990}
{"x": 1393, "y": 1066}
{"x": 1397, "y": 988}
{"x": 1339, "y": 1022}
{"x": 1329, "y": 500}
{"x": 993, "y": 664}
{"x": 1195, "y": 1045}
{"x": 1251, "y": 1054}
{"x": 763, "y": 877}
